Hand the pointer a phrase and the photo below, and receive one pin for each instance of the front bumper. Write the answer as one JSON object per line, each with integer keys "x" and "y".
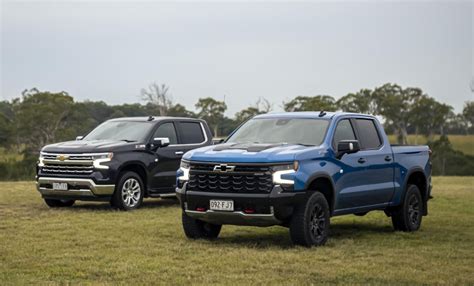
{"x": 78, "y": 188}
{"x": 274, "y": 208}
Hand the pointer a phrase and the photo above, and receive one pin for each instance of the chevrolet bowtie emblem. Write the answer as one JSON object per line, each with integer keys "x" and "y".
{"x": 62, "y": 157}
{"x": 223, "y": 168}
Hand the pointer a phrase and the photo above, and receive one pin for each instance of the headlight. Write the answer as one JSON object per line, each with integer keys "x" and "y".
{"x": 40, "y": 159}
{"x": 184, "y": 170}
{"x": 100, "y": 158}
{"x": 280, "y": 171}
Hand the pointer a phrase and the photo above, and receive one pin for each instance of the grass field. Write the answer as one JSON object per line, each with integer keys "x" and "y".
{"x": 90, "y": 243}
{"x": 463, "y": 143}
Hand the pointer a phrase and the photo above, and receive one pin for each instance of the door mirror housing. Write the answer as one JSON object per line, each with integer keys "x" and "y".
{"x": 347, "y": 147}
{"x": 78, "y": 138}
{"x": 159, "y": 142}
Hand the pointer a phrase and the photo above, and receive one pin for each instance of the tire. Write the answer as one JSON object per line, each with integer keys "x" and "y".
{"x": 309, "y": 225}
{"x": 408, "y": 216}
{"x": 197, "y": 229}
{"x": 59, "y": 203}
{"x": 129, "y": 192}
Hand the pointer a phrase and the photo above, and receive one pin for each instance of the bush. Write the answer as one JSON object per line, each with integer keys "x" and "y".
{"x": 449, "y": 162}
{"x": 14, "y": 170}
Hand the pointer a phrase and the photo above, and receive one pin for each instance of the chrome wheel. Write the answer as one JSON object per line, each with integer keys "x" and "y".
{"x": 131, "y": 192}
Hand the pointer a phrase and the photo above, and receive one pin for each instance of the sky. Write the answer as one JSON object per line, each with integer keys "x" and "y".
{"x": 236, "y": 51}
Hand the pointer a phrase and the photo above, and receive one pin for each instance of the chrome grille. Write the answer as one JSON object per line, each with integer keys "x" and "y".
{"x": 68, "y": 169}
{"x": 67, "y": 164}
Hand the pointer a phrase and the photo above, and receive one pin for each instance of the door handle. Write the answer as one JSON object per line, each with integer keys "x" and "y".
{"x": 388, "y": 158}
{"x": 179, "y": 153}
{"x": 361, "y": 160}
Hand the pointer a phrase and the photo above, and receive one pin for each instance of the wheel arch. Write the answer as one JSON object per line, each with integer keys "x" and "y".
{"x": 323, "y": 183}
{"x": 418, "y": 178}
{"x": 137, "y": 168}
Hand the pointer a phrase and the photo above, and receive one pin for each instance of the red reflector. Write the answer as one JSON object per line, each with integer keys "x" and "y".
{"x": 249, "y": 211}
{"x": 201, "y": 209}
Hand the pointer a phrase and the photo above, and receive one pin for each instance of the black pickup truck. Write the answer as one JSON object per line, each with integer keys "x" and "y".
{"x": 122, "y": 161}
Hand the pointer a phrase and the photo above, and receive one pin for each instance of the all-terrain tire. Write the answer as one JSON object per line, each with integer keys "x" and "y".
{"x": 129, "y": 192}
{"x": 408, "y": 216}
{"x": 309, "y": 225}
{"x": 197, "y": 229}
{"x": 52, "y": 203}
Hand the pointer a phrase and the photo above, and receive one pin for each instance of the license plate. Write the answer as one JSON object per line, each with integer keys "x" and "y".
{"x": 60, "y": 186}
{"x": 220, "y": 205}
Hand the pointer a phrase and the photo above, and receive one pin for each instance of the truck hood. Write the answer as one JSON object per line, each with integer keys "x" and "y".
{"x": 83, "y": 146}
{"x": 247, "y": 153}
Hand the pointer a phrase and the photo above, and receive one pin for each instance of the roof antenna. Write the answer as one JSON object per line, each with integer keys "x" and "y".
{"x": 150, "y": 118}
{"x": 322, "y": 113}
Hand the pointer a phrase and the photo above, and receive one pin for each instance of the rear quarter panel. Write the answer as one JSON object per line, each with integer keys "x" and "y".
{"x": 409, "y": 159}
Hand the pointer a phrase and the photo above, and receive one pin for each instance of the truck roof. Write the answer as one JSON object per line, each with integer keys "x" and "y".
{"x": 155, "y": 118}
{"x": 308, "y": 114}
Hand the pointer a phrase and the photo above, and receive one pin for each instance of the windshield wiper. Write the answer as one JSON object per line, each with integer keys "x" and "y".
{"x": 128, "y": 141}
{"x": 306, "y": 145}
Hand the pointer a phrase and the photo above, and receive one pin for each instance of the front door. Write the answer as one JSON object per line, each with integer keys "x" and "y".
{"x": 163, "y": 179}
{"x": 350, "y": 179}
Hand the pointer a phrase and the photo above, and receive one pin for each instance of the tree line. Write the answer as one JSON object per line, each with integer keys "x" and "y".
{"x": 37, "y": 118}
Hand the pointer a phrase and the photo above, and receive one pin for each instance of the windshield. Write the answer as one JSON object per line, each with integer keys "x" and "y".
{"x": 303, "y": 131}
{"x": 129, "y": 131}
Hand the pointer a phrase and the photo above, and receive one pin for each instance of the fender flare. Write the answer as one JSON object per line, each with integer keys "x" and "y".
{"x": 324, "y": 175}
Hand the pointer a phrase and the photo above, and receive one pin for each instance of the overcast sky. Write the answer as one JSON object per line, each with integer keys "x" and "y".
{"x": 110, "y": 50}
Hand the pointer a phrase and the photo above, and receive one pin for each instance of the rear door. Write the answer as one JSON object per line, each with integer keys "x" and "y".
{"x": 192, "y": 135}
{"x": 377, "y": 158}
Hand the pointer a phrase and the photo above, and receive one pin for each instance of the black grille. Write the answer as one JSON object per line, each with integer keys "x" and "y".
{"x": 243, "y": 179}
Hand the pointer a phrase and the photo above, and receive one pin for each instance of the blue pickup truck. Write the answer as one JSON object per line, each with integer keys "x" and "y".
{"x": 299, "y": 169}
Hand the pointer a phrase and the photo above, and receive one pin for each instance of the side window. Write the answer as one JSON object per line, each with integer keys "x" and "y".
{"x": 167, "y": 130}
{"x": 191, "y": 132}
{"x": 343, "y": 131}
{"x": 369, "y": 136}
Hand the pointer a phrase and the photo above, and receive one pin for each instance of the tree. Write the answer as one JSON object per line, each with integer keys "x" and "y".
{"x": 158, "y": 95}
{"x": 394, "y": 103}
{"x": 41, "y": 117}
{"x": 361, "y": 102}
{"x": 6, "y": 122}
{"x": 246, "y": 114}
{"x": 212, "y": 111}
{"x": 261, "y": 106}
{"x": 311, "y": 103}
{"x": 468, "y": 116}
{"x": 428, "y": 116}
{"x": 180, "y": 110}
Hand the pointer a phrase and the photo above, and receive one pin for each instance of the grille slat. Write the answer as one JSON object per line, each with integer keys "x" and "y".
{"x": 244, "y": 179}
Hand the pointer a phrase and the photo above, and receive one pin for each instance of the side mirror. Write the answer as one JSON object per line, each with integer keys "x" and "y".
{"x": 79, "y": 138}
{"x": 159, "y": 142}
{"x": 347, "y": 147}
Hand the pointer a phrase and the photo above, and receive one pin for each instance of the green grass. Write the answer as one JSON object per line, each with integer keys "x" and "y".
{"x": 90, "y": 243}
{"x": 463, "y": 143}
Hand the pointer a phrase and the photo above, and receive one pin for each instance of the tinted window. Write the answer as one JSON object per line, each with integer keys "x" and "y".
{"x": 369, "y": 138}
{"x": 167, "y": 130}
{"x": 344, "y": 131}
{"x": 191, "y": 133}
